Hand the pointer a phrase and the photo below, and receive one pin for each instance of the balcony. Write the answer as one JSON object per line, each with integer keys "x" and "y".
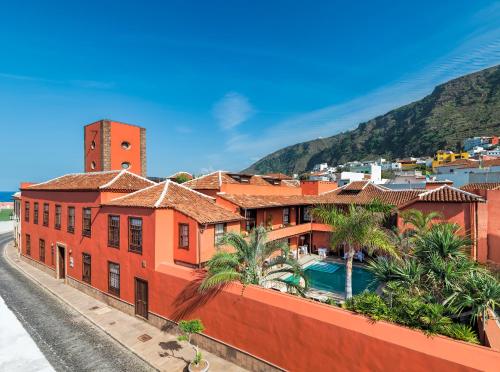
{"x": 303, "y": 228}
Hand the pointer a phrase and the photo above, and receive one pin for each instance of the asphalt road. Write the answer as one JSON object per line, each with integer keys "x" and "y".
{"x": 68, "y": 340}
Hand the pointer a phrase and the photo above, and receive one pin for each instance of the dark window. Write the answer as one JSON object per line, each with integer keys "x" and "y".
{"x": 71, "y": 219}
{"x": 57, "y": 218}
{"x": 305, "y": 214}
{"x": 114, "y": 231}
{"x": 45, "y": 214}
{"x": 27, "y": 211}
{"x": 52, "y": 255}
{"x": 286, "y": 216}
{"x": 251, "y": 216}
{"x": 42, "y": 250}
{"x": 86, "y": 267}
{"x": 114, "y": 278}
{"x": 35, "y": 212}
{"x": 135, "y": 234}
{"x": 86, "y": 222}
{"x": 28, "y": 244}
{"x": 184, "y": 235}
{"x": 220, "y": 229}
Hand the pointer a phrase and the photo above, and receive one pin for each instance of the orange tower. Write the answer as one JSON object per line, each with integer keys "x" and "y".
{"x": 111, "y": 145}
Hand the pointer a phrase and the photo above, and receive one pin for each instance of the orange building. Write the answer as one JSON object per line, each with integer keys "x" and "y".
{"x": 134, "y": 243}
{"x": 111, "y": 145}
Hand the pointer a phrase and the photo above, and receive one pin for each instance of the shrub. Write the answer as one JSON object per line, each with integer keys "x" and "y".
{"x": 370, "y": 304}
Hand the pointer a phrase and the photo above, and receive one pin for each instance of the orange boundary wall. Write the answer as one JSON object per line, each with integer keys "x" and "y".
{"x": 302, "y": 335}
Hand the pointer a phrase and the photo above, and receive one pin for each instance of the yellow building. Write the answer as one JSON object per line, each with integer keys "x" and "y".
{"x": 446, "y": 156}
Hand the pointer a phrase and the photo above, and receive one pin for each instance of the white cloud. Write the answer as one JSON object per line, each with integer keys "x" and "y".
{"x": 86, "y": 84}
{"x": 232, "y": 110}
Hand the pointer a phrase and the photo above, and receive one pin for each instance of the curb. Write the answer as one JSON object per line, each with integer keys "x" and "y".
{"x": 60, "y": 299}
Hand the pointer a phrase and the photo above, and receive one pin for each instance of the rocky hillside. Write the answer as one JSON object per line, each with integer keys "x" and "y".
{"x": 463, "y": 107}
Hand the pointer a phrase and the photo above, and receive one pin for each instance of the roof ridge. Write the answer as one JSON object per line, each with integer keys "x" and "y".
{"x": 431, "y": 191}
{"x": 73, "y": 174}
{"x": 329, "y": 191}
{"x": 205, "y": 175}
{"x": 162, "y": 195}
{"x": 139, "y": 176}
{"x": 452, "y": 188}
{"x": 195, "y": 191}
{"x": 136, "y": 192}
{"x": 52, "y": 179}
{"x": 112, "y": 180}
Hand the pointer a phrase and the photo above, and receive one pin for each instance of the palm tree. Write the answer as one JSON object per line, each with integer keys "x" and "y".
{"x": 443, "y": 240}
{"x": 420, "y": 221}
{"x": 254, "y": 261}
{"x": 356, "y": 228}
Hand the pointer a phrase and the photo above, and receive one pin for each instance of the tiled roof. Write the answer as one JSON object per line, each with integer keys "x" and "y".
{"x": 268, "y": 201}
{"x": 364, "y": 192}
{"x": 213, "y": 181}
{"x": 460, "y": 163}
{"x": 448, "y": 194}
{"x": 467, "y": 163}
{"x": 356, "y": 185}
{"x": 290, "y": 183}
{"x": 398, "y": 198}
{"x": 279, "y": 176}
{"x": 491, "y": 163}
{"x": 471, "y": 187}
{"x": 170, "y": 194}
{"x": 105, "y": 181}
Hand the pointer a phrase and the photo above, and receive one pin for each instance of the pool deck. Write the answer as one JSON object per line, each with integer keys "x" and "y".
{"x": 317, "y": 294}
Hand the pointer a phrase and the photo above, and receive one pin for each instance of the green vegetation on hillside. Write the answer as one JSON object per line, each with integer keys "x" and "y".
{"x": 464, "y": 107}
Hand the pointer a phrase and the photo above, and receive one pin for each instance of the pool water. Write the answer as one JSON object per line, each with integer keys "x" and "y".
{"x": 330, "y": 276}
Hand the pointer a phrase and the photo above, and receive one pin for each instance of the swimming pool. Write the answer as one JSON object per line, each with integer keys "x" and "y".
{"x": 330, "y": 276}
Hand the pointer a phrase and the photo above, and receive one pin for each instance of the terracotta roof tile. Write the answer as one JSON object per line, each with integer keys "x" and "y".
{"x": 471, "y": 187}
{"x": 106, "y": 181}
{"x": 491, "y": 163}
{"x": 268, "y": 201}
{"x": 356, "y": 185}
{"x": 279, "y": 176}
{"x": 170, "y": 194}
{"x": 398, "y": 198}
{"x": 213, "y": 181}
{"x": 449, "y": 194}
{"x": 460, "y": 163}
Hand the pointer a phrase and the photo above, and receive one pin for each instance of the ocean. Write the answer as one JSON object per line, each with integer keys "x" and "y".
{"x": 6, "y": 196}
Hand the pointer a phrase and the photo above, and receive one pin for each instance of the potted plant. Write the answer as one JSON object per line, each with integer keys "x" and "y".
{"x": 188, "y": 328}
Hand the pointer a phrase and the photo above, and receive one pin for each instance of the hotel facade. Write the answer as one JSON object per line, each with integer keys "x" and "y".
{"x": 140, "y": 246}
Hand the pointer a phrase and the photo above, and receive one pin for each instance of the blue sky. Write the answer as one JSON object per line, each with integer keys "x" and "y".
{"x": 220, "y": 84}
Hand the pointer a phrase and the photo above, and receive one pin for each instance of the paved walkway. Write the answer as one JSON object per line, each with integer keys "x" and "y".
{"x": 162, "y": 350}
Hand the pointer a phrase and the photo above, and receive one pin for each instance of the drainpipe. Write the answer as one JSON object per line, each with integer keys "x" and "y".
{"x": 476, "y": 222}
{"x": 198, "y": 240}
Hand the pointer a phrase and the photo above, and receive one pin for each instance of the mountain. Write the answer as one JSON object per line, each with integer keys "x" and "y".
{"x": 464, "y": 107}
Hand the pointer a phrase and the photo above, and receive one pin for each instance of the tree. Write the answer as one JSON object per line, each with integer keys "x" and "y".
{"x": 188, "y": 328}
{"x": 420, "y": 221}
{"x": 181, "y": 178}
{"x": 254, "y": 261}
{"x": 439, "y": 271}
{"x": 356, "y": 228}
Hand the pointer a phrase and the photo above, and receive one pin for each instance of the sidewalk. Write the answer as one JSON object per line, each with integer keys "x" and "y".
{"x": 158, "y": 348}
